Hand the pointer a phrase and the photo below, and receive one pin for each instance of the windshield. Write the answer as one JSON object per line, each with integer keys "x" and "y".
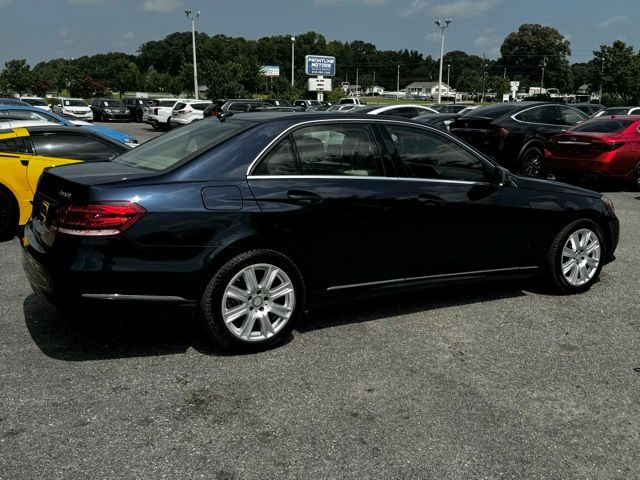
{"x": 607, "y": 125}
{"x": 173, "y": 147}
{"x": 113, "y": 104}
{"x": 74, "y": 103}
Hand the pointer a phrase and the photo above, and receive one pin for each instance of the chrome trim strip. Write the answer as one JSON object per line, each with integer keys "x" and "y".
{"x": 361, "y": 120}
{"x": 441, "y": 180}
{"x": 142, "y": 298}
{"x": 573, "y": 143}
{"x": 443, "y": 275}
{"x": 343, "y": 177}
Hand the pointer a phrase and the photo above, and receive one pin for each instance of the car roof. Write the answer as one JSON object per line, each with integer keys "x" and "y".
{"x": 28, "y": 108}
{"x": 297, "y": 117}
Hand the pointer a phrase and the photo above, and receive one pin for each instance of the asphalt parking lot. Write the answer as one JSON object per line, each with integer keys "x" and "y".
{"x": 141, "y": 131}
{"x": 490, "y": 381}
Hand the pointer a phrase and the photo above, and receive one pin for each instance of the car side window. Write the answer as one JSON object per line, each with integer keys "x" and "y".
{"x": 570, "y": 116}
{"x": 338, "y": 149}
{"x": 8, "y": 145}
{"x": 544, "y": 114}
{"x": 430, "y": 155}
{"x": 74, "y": 147}
{"x": 279, "y": 161}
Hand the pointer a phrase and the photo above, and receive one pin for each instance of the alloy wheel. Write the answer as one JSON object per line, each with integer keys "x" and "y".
{"x": 532, "y": 162}
{"x": 258, "y": 302}
{"x": 580, "y": 257}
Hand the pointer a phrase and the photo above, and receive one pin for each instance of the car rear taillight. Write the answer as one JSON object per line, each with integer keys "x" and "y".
{"x": 607, "y": 146}
{"x": 97, "y": 220}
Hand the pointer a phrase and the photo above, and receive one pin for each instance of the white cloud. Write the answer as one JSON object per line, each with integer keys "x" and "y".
{"x": 326, "y": 3}
{"x": 621, "y": 20}
{"x": 84, "y": 3}
{"x": 66, "y": 38}
{"x": 416, "y": 7}
{"x": 124, "y": 40}
{"x": 161, "y": 6}
{"x": 463, "y": 8}
{"x": 432, "y": 37}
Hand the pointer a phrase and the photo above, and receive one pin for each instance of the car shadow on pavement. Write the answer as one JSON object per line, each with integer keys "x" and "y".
{"x": 114, "y": 333}
{"x": 424, "y": 300}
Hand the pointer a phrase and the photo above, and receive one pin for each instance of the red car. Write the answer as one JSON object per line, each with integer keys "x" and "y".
{"x": 601, "y": 147}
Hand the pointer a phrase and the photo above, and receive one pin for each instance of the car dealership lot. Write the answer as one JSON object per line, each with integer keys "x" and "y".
{"x": 141, "y": 131}
{"x": 485, "y": 381}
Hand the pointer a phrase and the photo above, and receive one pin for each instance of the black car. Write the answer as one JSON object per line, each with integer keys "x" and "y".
{"x": 109, "y": 109}
{"x": 135, "y": 107}
{"x": 256, "y": 217}
{"x": 441, "y": 121}
{"x": 515, "y": 134}
{"x": 13, "y": 101}
{"x": 235, "y": 105}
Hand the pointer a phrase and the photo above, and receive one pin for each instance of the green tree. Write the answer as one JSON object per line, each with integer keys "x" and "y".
{"x": 124, "y": 77}
{"x": 223, "y": 80}
{"x": 17, "y": 76}
{"x": 524, "y": 52}
{"x": 40, "y": 87}
{"x": 152, "y": 80}
{"x": 621, "y": 73}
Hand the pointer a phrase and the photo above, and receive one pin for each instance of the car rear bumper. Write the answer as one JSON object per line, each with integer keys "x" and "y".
{"x": 571, "y": 167}
{"x": 74, "y": 271}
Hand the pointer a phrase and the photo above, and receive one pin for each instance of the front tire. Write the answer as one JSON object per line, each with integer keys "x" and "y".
{"x": 254, "y": 301}
{"x": 635, "y": 184}
{"x": 576, "y": 257}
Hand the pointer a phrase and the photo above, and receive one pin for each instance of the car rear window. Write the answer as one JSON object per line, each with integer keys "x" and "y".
{"x": 608, "y": 125}
{"x": 172, "y": 148}
{"x": 179, "y": 106}
{"x": 493, "y": 111}
{"x": 199, "y": 106}
{"x": 166, "y": 103}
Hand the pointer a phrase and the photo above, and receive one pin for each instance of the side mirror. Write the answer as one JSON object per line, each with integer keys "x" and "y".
{"x": 500, "y": 176}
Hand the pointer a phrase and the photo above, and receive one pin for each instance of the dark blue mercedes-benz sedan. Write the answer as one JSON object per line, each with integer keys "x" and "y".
{"x": 251, "y": 217}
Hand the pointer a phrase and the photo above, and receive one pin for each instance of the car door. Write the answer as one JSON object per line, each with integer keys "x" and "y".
{"x": 54, "y": 149}
{"x": 463, "y": 220}
{"x": 15, "y": 154}
{"x": 330, "y": 189}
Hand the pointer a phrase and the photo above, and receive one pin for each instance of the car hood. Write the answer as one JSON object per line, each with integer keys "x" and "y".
{"x": 110, "y": 132}
{"x": 553, "y": 186}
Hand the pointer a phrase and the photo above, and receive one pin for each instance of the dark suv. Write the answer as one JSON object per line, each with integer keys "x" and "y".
{"x": 135, "y": 106}
{"x": 235, "y": 105}
{"x": 109, "y": 109}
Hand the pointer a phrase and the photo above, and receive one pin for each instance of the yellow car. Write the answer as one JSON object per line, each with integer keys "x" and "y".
{"x": 26, "y": 151}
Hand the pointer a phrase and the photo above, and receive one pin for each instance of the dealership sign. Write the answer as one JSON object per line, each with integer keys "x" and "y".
{"x": 319, "y": 65}
{"x": 319, "y": 84}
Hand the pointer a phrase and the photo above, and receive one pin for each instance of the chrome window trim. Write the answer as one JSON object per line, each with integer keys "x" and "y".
{"x": 427, "y": 277}
{"x": 364, "y": 177}
{"x": 142, "y": 298}
{"x": 288, "y": 130}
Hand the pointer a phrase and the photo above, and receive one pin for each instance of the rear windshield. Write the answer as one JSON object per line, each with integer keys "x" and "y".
{"x": 166, "y": 103}
{"x": 179, "y": 106}
{"x": 171, "y": 148}
{"x": 608, "y": 125}
{"x": 74, "y": 103}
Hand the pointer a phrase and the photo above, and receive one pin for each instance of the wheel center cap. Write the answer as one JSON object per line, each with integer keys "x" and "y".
{"x": 257, "y": 301}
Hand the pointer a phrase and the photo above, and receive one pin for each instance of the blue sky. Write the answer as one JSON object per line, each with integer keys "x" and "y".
{"x": 44, "y": 29}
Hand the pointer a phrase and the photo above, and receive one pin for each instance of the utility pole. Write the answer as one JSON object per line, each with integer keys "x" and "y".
{"x": 442, "y": 27}
{"x": 484, "y": 65}
{"x": 293, "y": 51}
{"x": 374, "y": 83}
{"x": 543, "y": 64}
{"x": 601, "y": 78}
{"x": 357, "y": 87}
{"x": 398, "y": 86}
{"x": 448, "y": 74}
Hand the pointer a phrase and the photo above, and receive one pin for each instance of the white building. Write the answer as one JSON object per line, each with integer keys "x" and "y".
{"x": 427, "y": 89}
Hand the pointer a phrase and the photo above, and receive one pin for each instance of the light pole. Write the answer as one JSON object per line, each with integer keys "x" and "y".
{"x": 193, "y": 17}
{"x": 448, "y": 74}
{"x": 357, "y": 88}
{"x": 441, "y": 27}
{"x": 293, "y": 52}
{"x": 398, "y": 86}
{"x": 542, "y": 64}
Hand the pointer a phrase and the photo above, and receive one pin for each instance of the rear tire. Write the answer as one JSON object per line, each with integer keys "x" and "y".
{"x": 8, "y": 216}
{"x": 254, "y": 301}
{"x": 635, "y": 184}
{"x": 531, "y": 161}
{"x": 576, "y": 256}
